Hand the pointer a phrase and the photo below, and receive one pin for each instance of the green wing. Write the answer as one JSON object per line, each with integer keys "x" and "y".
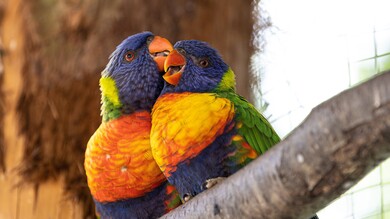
{"x": 252, "y": 126}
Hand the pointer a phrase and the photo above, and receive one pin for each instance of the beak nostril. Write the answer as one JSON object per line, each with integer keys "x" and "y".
{"x": 181, "y": 51}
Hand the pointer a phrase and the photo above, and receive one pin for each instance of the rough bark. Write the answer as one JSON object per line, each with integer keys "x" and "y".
{"x": 54, "y": 52}
{"x": 2, "y": 147}
{"x": 337, "y": 144}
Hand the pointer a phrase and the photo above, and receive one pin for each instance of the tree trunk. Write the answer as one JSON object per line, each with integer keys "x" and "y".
{"x": 338, "y": 144}
{"x": 53, "y": 53}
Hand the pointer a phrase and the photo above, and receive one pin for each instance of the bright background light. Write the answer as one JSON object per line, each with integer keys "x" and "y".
{"x": 315, "y": 50}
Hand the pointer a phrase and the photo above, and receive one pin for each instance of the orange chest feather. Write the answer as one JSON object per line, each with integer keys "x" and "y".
{"x": 118, "y": 159}
{"x": 186, "y": 123}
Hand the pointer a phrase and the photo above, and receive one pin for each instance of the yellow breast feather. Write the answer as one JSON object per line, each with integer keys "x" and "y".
{"x": 186, "y": 123}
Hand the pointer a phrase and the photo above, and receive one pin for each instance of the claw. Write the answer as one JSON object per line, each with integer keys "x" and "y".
{"x": 186, "y": 197}
{"x": 212, "y": 182}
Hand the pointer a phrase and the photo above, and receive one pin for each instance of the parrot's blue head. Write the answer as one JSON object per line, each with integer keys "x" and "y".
{"x": 194, "y": 66}
{"x": 136, "y": 67}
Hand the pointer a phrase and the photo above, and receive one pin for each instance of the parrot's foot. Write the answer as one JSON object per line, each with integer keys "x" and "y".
{"x": 186, "y": 197}
{"x": 212, "y": 182}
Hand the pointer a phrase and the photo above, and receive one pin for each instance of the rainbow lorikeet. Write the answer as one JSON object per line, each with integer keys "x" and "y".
{"x": 124, "y": 179}
{"x": 202, "y": 129}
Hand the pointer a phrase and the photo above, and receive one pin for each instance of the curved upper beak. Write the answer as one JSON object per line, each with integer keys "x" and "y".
{"x": 174, "y": 66}
{"x": 159, "y": 49}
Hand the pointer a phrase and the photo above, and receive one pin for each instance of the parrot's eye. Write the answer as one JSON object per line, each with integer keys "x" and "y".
{"x": 203, "y": 63}
{"x": 129, "y": 56}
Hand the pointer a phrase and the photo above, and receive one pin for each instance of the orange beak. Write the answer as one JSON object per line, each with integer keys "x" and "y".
{"x": 159, "y": 49}
{"x": 173, "y": 66}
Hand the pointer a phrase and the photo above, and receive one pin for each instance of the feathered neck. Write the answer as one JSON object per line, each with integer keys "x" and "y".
{"x": 111, "y": 105}
{"x": 227, "y": 83}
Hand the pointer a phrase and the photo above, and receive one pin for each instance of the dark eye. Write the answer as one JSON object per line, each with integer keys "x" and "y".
{"x": 129, "y": 56}
{"x": 203, "y": 63}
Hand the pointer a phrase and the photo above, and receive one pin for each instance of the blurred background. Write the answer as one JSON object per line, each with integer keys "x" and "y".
{"x": 288, "y": 58}
{"x": 313, "y": 51}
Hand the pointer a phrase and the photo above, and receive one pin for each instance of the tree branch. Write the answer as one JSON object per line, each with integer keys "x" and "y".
{"x": 338, "y": 144}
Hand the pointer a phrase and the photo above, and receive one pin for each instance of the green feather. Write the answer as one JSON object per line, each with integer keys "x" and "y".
{"x": 254, "y": 126}
{"x": 111, "y": 105}
{"x": 255, "y": 129}
{"x": 228, "y": 82}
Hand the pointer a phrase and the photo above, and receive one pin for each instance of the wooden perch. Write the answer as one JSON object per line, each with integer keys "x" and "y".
{"x": 337, "y": 144}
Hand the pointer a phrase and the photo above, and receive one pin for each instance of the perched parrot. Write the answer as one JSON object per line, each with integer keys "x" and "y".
{"x": 202, "y": 130}
{"x": 124, "y": 179}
